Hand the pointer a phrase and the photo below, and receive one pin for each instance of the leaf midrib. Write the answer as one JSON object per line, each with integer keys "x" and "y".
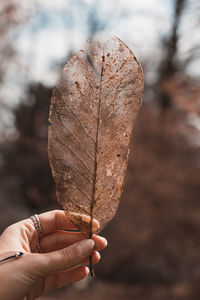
{"x": 96, "y": 147}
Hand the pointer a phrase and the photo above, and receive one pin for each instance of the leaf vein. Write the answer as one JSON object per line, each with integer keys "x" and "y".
{"x": 65, "y": 145}
{"x": 74, "y": 184}
{"x": 132, "y": 94}
{"x": 117, "y": 71}
{"x": 83, "y": 98}
{"x": 118, "y": 84}
{"x": 66, "y": 127}
{"x": 79, "y": 120}
{"x": 74, "y": 168}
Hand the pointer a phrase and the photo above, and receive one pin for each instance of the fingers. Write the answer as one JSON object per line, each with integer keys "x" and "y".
{"x": 95, "y": 258}
{"x": 83, "y": 221}
{"x": 59, "y": 240}
{"x": 58, "y": 280}
{"x": 64, "y": 259}
{"x": 54, "y": 220}
{"x": 49, "y": 221}
{"x": 62, "y": 239}
{"x": 61, "y": 279}
{"x": 100, "y": 242}
{"x": 57, "y": 219}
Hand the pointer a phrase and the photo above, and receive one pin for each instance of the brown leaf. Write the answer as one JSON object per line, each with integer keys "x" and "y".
{"x": 92, "y": 112}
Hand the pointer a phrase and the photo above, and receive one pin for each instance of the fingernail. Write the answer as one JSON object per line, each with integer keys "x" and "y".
{"x": 99, "y": 255}
{"x": 105, "y": 241}
{"x": 85, "y": 247}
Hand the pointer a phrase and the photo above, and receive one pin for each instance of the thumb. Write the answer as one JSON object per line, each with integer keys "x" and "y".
{"x": 67, "y": 258}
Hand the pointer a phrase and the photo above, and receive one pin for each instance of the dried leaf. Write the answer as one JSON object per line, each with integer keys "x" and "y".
{"x": 93, "y": 108}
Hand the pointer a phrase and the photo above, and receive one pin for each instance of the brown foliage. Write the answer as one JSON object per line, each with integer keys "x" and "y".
{"x": 92, "y": 112}
{"x": 154, "y": 249}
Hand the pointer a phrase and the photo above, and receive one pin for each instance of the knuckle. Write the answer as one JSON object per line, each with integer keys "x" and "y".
{"x": 68, "y": 256}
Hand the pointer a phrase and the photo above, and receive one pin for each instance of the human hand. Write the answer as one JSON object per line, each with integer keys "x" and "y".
{"x": 58, "y": 264}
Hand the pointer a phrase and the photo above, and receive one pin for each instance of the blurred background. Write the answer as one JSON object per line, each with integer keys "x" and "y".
{"x": 154, "y": 240}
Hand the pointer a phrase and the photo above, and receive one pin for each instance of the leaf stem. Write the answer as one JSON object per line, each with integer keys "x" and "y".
{"x": 95, "y": 165}
{"x": 91, "y": 267}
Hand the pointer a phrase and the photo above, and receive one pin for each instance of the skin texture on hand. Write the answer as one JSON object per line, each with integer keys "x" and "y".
{"x": 58, "y": 265}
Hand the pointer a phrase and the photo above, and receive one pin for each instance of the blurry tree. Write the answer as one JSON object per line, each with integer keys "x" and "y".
{"x": 9, "y": 17}
{"x": 25, "y": 177}
{"x": 171, "y": 63}
{"x": 12, "y": 14}
{"x": 95, "y": 22}
{"x": 96, "y": 19}
{"x": 29, "y": 161}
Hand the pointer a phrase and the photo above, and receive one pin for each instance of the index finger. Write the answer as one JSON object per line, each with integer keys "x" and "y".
{"x": 54, "y": 220}
{"x": 57, "y": 220}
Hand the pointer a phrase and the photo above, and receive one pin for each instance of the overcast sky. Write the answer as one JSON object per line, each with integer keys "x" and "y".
{"x": 53, "y": 28}
{"x": 56, "y": 27}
